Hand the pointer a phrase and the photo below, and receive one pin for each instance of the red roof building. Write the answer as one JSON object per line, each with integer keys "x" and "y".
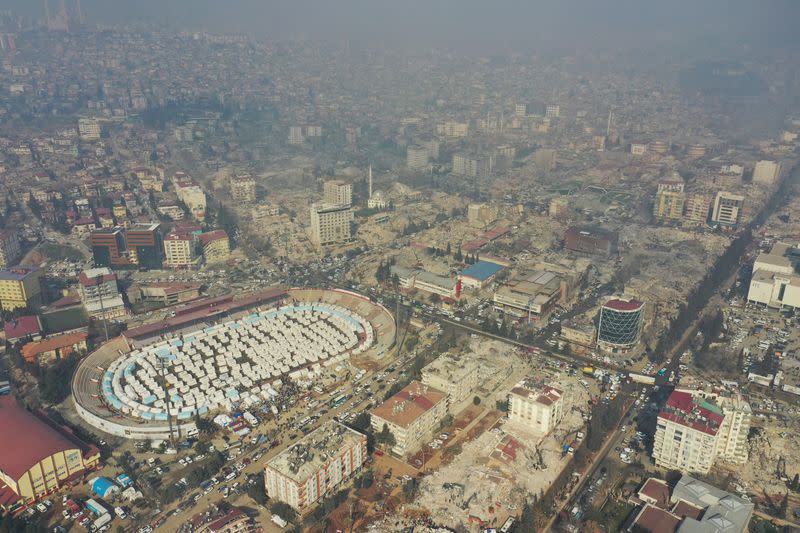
{"x": 37, "y": 456}
{"x": 28, "y": 326}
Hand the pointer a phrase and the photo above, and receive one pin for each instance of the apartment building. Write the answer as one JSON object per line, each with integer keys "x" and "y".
{"x": 330, "y": 224}
{"x": 10, "y": 250}
{"x": 315, "y": 466}
{"x": 766, "y": 172}
{"x": 727, "y": 209}
{"x": 215, "y": 245}
{"x": 456, "y": 377}
{"x": 100, "y": 294}
{"x": 338, "y": 192}
{"x": 670, "y": 199}
{"x": 243, "y": 189}
{"x": 417, "y": 157}
{"x": 535, "y": 407}
{"x": 179, "y": 250}
{"x": 694, "y": 430}
{"x": 20, "y": 287}
{"x": 413, "y": 416}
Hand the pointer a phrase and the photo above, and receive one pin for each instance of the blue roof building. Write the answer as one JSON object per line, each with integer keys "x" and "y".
{"x": 104, "y": 487}
{"x": 479, "y": 274}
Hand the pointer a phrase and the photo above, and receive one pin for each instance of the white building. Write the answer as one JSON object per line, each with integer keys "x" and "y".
{"x": 412, "y": 416}
{"x": 727, "y": 209}
{"x": 552, "y": 111}
{"x": 330, "y": 224}
{"x": 774, "y": 282}
{"x": 100, "y": 294}
{"x": 458, "y": 378}
{"x": 179, "y": 250}
{"x": 534, "y": 407}
{"x": 446, "y": 287}
{"x": 693, "y": 431}
{"x": 766, "y": 172}
{"x": 453, "y": 129}
{"x": 315, "y": 466}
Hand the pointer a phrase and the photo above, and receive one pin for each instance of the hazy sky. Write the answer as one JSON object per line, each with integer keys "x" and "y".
{"x": 478, "y": 24}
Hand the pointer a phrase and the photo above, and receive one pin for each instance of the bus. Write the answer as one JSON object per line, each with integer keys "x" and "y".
{"x": 338, "y": 401}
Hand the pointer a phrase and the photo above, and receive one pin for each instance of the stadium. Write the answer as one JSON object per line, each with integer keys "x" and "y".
{"x": 223, "y": 354}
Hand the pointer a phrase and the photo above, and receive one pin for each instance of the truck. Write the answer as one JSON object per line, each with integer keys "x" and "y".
{"x": 102, "y": 520}
{"x": 641, "y": 378}
{"x": 587, "y": 370}
{"x": 95, "y": 507}
{"x": 279, "y": 521}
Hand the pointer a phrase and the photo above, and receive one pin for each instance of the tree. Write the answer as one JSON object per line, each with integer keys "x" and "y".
{"x": 258, "y": 492}
{"x": 284, "y": 510}
{"x": 501, "y": 405}
{"x": 476, "y": 400}
{"x": 386, "y": 437}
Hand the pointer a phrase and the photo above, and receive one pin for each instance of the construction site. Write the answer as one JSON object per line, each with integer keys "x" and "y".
{"x": 499, "y": 469}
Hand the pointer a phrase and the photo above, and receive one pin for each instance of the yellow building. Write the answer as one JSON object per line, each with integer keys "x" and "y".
{"x": 216, "y": 247}
{"x": 36, "y": 455}
{"x": 670, "y": 198}
{"x": 20, "y": 287}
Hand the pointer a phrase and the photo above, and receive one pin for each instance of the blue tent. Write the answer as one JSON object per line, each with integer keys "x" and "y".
{"x": 104, "y": 487}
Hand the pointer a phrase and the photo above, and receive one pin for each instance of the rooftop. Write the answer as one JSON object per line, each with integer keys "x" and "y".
{"x": 27, "y": 438}
{"x": 211, "y": 236}
{"x": 311, "y": 453}
{"x": 482, "y": 270}
{"x": 692, "y": 412}
{"x": 409, "y": 404}
{"x": 17, "y": 273}
{"x": 623, "y": 305}
{"x": 448, "y": 367}
{"x": 30, "y": 350}
{"x": 539, "y": 393}
{"x": 21, "y": 327}
{"x": 89, "y": 278}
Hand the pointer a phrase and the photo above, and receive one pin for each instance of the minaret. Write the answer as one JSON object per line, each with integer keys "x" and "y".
{"x": 370, "y": 181}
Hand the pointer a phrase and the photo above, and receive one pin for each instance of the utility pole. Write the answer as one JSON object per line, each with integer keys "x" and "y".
{"x": 99, "y": 280}
{"x": 167, "y": 399}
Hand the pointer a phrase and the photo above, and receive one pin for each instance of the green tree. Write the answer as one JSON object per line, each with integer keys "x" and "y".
{"x": 476, "y": 400}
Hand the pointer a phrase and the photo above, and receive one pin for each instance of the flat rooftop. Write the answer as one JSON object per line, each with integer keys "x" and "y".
{"x": 449, "y": 368}
{"x": 409, "y": 404}
{"x": 311, "y": 453}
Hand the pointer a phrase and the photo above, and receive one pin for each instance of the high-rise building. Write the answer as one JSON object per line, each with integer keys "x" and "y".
{"x": 620, "y": 325}
{"x": 472, "y": 166}
{"x": 330, "y": 224}
{"x": 552, "y": 111}
{"x": 315, "y": 466}
{"x": 179, "y": 250}
{"x": 686, "y": 433}
{"x": 243, "y": 189}
{"x": 417, "y": 157}
{"x": 108, "y": 247}
{"x": 100, "y": 294}
{"x": 412, "y": 416}
{"x": 453, "y": 129}
{"x": 696, "y": 211}
{"x": 20, "y": 287}
{"x": 145, "y": 245}
{"x": 694, "y": 430}
{"x": 766, "y": 172}
{"x": 191, "y": 194}
{"x": 670, "y": 198}
{"x": 216, "y": 246}
{"x": 535, "y": 407}
{"x": 296, "y": 135}
{"x": 734, "y": 430}
{"x": 89, "y": 129}
{"x": 457, "y": 378}
{"x": 338, "y": 192}
{"x": 10, "y": 250}
{"x": 727, "y": 209}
